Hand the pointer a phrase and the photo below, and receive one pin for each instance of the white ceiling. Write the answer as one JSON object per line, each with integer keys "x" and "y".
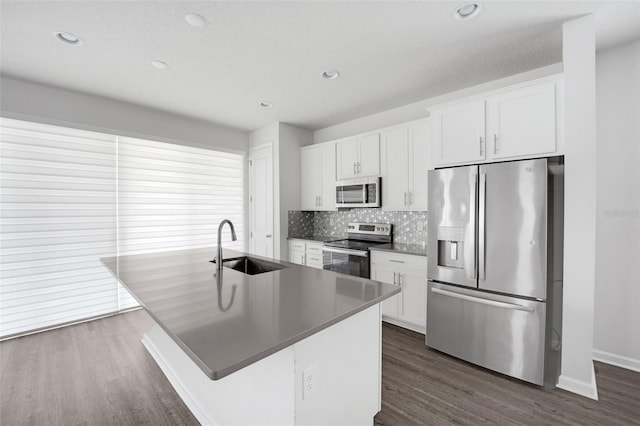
{"x": 389, "y": 53}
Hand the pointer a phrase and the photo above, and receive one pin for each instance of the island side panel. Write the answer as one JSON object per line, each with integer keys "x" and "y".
{"x": 259, "y": 394}
{"x": 344, "y": 364}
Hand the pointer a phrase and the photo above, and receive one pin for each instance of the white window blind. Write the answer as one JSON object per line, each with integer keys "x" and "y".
{"x": 57, "y": 218}
{"x": 69, "y": 197}
{"x": 173, "y": 197}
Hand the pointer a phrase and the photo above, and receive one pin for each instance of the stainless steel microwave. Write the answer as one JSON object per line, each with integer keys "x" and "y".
{"x": 362, "y": 192}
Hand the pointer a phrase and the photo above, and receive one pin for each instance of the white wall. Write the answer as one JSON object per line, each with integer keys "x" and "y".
{"x": 286, "y": 141}
{"x": 578, "y": 54}
{"x": 617, "y": 301}
{"x": 291, "y": 139}
{"x": 51, "y": 105}
{"x": 418, "y": 110}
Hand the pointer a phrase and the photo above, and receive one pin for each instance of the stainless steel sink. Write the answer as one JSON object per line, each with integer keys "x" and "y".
{"x": 250, "y": 265}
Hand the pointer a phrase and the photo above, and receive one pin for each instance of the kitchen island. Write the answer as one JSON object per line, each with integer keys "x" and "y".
{"x": 295, "y": 345}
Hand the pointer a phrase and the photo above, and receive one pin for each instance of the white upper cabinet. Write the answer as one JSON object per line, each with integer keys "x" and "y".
{"x": 311, "y": 177}
{"x": 523, "y": 122}
{"x": 405, "y": 159}
{"x": 347, "y": 155}
{"x": 318, "y": 171}
{"x": 510, "y": 124}
{"x": 369, "y": 155}
{"x": 328, "y": 190}
{"x": 358, "y": 156}
{"x": 460, "y": 133}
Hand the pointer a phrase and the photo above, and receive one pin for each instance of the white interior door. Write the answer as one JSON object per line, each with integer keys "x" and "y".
{"x": 261, "y": 200}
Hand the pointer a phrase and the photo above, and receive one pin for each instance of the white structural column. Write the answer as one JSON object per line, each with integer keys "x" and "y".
{"x": 578, "y": 50}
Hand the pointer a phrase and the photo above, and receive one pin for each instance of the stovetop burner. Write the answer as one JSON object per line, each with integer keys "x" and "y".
{"x": 353, "y": 244}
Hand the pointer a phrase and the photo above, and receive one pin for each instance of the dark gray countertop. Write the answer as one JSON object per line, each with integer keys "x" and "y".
{"x": 227, "y": 321}
{"x": 320, "y": 238}
{"x": 415, "y": 249}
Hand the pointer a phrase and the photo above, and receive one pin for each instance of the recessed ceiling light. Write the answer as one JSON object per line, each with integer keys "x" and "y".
{"x": 266, "y": 104}
{"x": 159, "y": 64}
{"x": 195, "y": 19}
{"x": 330, "y": 75}
{"x": 468, "y": 11}
{"x": 67, "y": 38}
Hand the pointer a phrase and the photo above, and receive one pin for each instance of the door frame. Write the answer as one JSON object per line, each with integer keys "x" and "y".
{"x": 252, "y": 214}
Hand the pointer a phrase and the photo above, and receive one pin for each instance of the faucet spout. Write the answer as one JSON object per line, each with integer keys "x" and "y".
{"x": 233, "y": 237}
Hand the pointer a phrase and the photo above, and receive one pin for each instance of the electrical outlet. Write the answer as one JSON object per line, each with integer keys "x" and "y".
{"x": 309, "y": 381}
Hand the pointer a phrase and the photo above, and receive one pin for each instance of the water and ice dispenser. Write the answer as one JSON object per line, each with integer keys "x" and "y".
{"x": 451, "y": 247}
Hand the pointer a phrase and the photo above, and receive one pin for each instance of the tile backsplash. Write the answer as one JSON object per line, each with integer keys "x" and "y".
{"x": 408, "y": 227}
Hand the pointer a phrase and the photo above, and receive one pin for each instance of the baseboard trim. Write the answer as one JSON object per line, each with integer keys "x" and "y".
{"x": 190, "y": 401}
{"x": 403, "y": 324}
{"x": 617, "y": 360}
{"x": 589, "y": 390}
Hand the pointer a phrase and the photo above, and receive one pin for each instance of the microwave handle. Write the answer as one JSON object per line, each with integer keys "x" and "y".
{"x": 364, "y": 194}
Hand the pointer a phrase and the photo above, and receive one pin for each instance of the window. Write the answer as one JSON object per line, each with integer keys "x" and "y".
{"x": 57, "y": 219}
{"x": 173, "y": 197}
{"x": 69, "y": 197}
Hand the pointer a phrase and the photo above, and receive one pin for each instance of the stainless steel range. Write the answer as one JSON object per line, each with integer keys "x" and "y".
{"x": 351, "y": 255}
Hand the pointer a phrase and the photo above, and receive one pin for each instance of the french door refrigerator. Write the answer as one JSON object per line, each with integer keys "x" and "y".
{"x": 495, "y": 266}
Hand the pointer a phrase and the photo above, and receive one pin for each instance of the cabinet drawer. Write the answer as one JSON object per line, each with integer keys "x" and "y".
{"x": 314, "y": 260}
{"x": 398, "y": 261}
{"x": 314, "y": 248}
{"x": 297, "y": 245}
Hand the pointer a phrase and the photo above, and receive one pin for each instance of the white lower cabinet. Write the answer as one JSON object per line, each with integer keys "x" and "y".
{"x": 409, "y": 308}
{"x": 307, "y": 253}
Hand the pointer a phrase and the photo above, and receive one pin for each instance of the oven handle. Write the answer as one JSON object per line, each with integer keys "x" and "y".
{"x": 346, "y": 251}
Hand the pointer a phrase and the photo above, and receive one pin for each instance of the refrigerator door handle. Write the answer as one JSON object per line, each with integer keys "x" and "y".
{"x": 497, "y": 304}
{"x": 470, "y": 255}
{"x": 482, "y": 226}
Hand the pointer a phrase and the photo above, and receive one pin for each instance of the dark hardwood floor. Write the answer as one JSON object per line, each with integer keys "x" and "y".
{"x": 94, "y": 373}
{"x": 421, "y": 386}
{"x": 98, "y": 373}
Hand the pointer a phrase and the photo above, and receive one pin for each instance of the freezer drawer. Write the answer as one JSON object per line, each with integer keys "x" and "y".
{"x": 504, "y": 334}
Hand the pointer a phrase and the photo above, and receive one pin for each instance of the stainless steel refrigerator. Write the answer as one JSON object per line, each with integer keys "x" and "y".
{"x": 495, "y": 266}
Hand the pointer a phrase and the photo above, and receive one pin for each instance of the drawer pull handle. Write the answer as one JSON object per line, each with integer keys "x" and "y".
{"x": 396, "y": 261}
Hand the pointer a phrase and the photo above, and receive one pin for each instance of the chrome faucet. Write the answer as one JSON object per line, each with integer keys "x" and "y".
{"x": 233, "y": 237}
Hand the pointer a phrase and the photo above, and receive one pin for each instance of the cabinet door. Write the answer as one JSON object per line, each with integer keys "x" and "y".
{"x": 413, "y": 306}
{"x": 419, "y": 135}
{"x": 460, "y": 133}
{"x": 347, "y": 153}
{"x": 523, "y": 122}
{"x": 328, "y": 179}
{"x": 369, "y": 155}
{"x": 296, "y": 256}
{"x": 389, "y": 307}
{"x": 395, "y": 158}
{"x": 310, "y": 179}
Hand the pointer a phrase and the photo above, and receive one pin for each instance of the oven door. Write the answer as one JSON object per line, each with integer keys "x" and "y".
{"x": 346, "y": 261}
